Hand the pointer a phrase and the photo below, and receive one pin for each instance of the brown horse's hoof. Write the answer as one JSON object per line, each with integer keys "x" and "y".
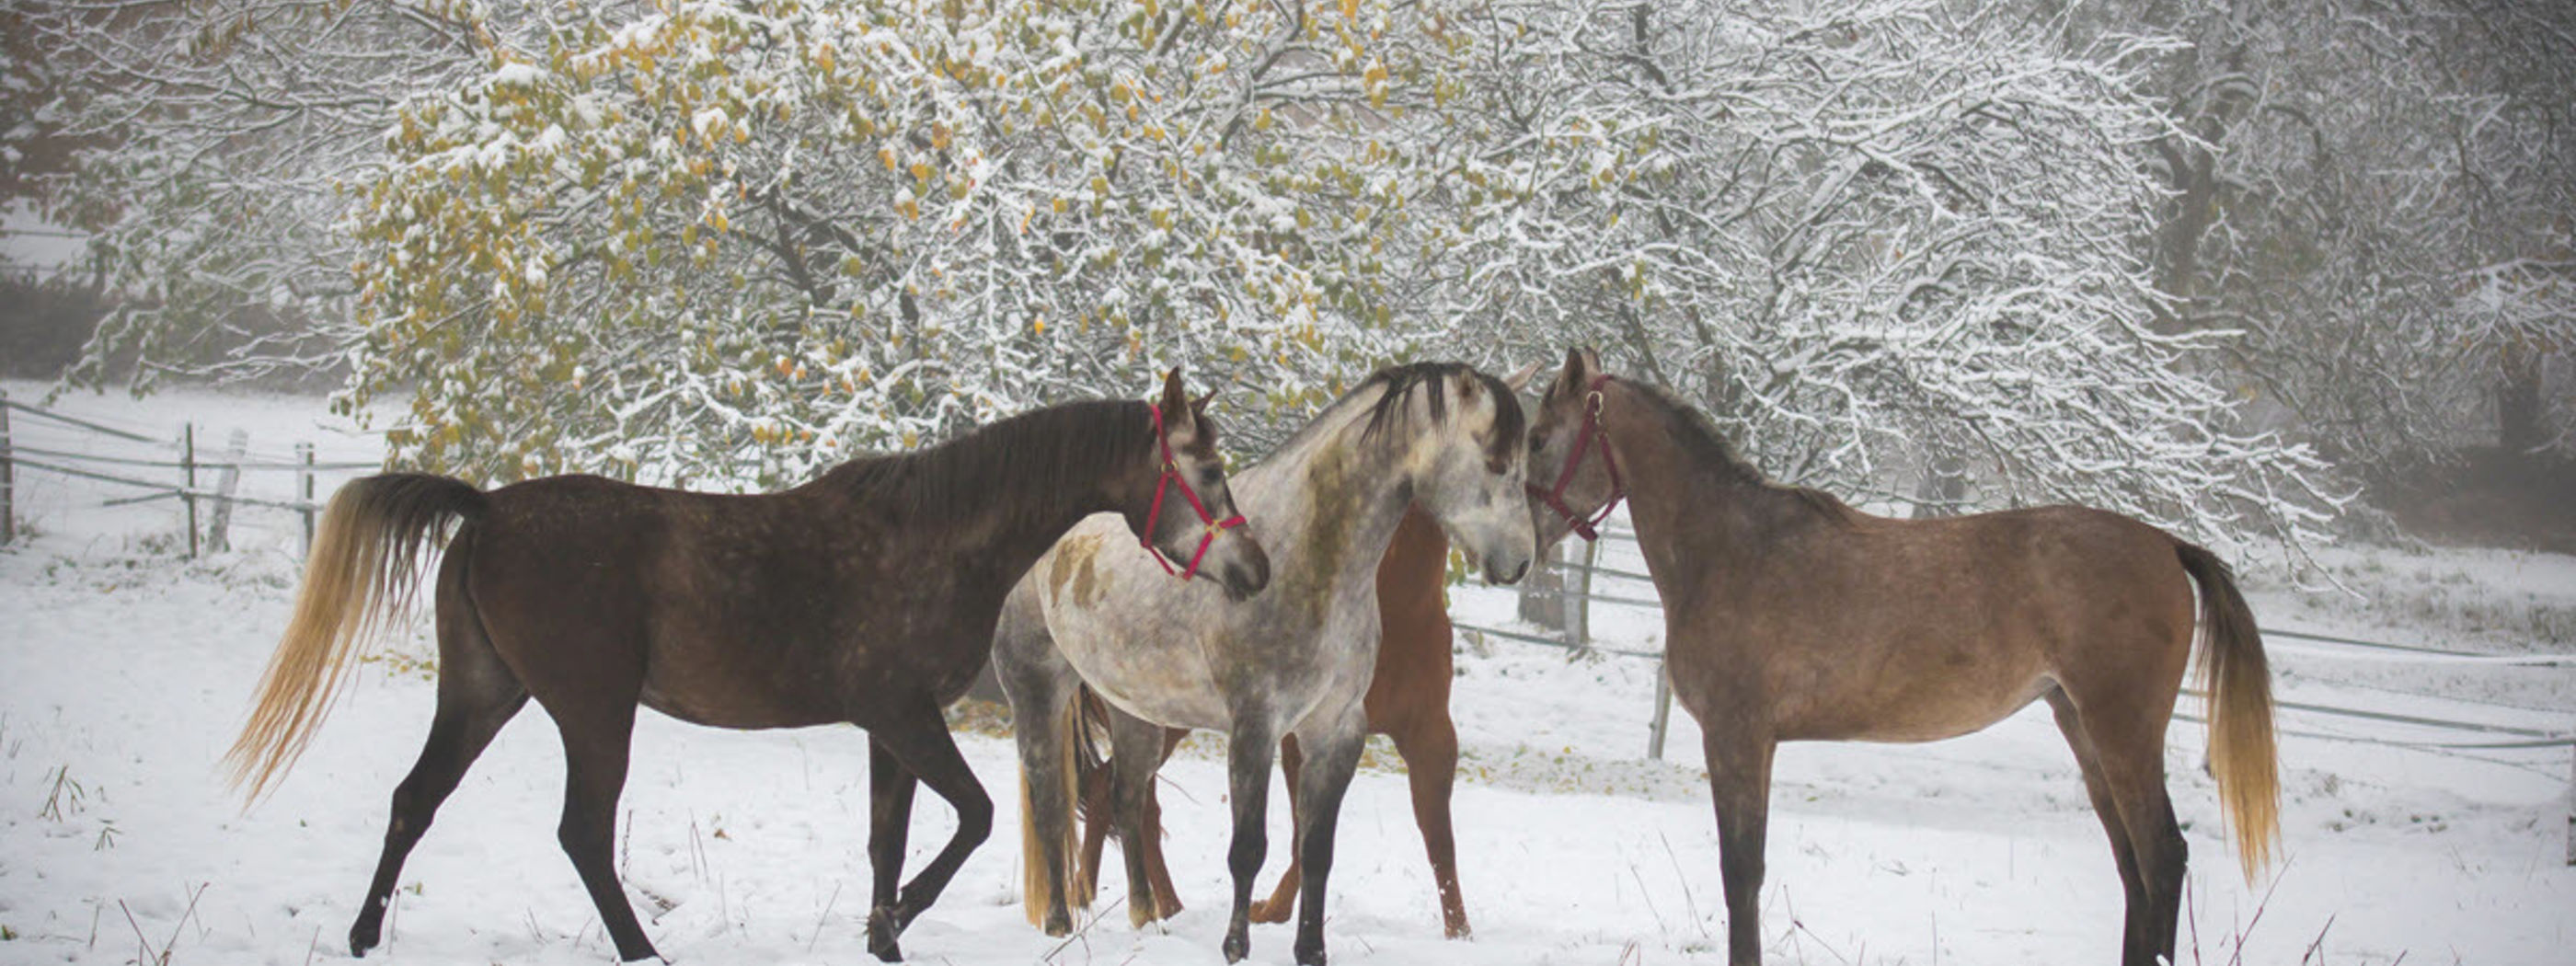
{"x": 881, "y": 933}
{"x": 1267, "y": 911}
{"x": 1458, "y": 930}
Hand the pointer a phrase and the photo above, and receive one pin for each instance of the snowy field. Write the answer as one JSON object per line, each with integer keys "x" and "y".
{"x": 124, "y": 672}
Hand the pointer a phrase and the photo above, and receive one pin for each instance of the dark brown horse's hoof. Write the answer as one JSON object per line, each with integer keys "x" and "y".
{"x": 1238, "y": 944}
{"x": 363, "y": 936}
{"x": 881, "y": 933}
{"x": 1310, "y": 955}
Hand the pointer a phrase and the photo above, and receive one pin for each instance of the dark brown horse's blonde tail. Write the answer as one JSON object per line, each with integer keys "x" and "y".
{"x": 365, "y": 558}
{"x": 2238, "y": 681}
{"x": 1037, "y": 888}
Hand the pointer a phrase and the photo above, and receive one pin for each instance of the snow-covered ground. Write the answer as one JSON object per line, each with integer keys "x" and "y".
{"x": 124, "y": 672}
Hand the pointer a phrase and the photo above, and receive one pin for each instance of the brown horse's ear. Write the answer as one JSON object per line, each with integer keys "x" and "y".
{"x": 1520, "y": 378}
{"x": 1576, "y": 371}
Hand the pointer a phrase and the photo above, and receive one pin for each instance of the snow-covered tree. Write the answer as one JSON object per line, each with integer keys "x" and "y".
{"x": 1870, "y": 235}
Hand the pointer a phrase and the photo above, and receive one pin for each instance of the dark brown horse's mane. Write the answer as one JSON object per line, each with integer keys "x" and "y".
{"x": 1075, "y": 444}
{"x": 1708, "y": 450}
{"x": 1510, "y": 424}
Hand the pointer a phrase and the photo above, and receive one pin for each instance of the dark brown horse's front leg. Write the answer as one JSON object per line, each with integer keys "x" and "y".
{"x": 1248, "y": 757}
{"x": 918, "y": 739}
{"x": 1739, "y": 779}
{"x": 890, "y": 788}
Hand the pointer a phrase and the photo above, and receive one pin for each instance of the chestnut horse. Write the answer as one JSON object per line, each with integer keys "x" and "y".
{"x": 868, "y": 596}
{"x": 1408, "y": 700}
{"x": 1792, "y": 617}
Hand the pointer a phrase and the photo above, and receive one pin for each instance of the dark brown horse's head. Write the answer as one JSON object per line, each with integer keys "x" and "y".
{"x": 1178, "y": 503}
{"x": 1567, "y": 488}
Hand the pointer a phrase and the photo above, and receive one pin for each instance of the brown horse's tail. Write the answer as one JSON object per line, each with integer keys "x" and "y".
{"x": 365, "y": 558}
{"x": 2238, "y": 681}
{"x": 1037, "y": 889}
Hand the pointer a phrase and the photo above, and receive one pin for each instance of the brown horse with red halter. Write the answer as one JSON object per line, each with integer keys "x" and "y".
{"x": 867, "y": 597}
{"x": 1791, "y": 617}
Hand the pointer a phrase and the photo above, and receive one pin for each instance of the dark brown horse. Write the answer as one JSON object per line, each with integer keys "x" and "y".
{"x": 1408, "y": 700}
{"x": 1792, "y": 617}
{"x": 868, "y": 596}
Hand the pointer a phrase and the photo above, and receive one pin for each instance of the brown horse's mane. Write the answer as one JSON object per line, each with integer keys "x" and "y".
{"x": 1075, "y": 444}
{"x": 1707, "y": 450}
{"x": 1510, "y": 423}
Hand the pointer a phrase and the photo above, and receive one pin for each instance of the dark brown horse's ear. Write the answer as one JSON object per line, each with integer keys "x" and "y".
{"x": 1199, "y": 406}
{"x": 1176, "y": 398}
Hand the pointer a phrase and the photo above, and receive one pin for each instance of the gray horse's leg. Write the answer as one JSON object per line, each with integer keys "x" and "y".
{"x": 1334, "y": 754}
{"x": 1248, "y": 756}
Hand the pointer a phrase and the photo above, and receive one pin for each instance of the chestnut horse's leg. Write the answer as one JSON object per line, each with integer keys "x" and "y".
{"x": 2106, "y": 808}
{"x": 917, "y": 735}
{"x": 476, "y": 696}
{"x": 1157, "y": 873}
{"x": 1337, "y": 755}
{"x": 890, "y": 788}
{"x": 597, "y": 731}
{"x": 1430, "y": 752}
{"x": 1248, "y": 753}
{"x": 1283, "y": 897}
{"x": 1739, "y": 780}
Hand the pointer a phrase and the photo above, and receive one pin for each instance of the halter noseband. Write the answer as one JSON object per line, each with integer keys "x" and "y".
{"x": 1583, "y": 439}
{"x": 1172, "y": 475}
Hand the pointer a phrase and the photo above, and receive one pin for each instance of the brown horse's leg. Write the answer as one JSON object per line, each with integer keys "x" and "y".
{"x": 476, "y": 696}
{"x": 1739, "y": 780}
{"x": 890, "y": 788}
{"x": 2106, "y": 808}
{"x": 1430, "y": 752}
{"x": 1283, "y": 897}
{"x": 596, "y": 736}
{"x": 918, "y": 738}
{"x": 2133, "y": 763}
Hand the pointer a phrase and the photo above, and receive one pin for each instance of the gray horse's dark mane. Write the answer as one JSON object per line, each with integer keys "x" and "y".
{"x": 1510, "y": 423}
{"x": 1073, "y": 445}
{"x": 1707, "y": 448}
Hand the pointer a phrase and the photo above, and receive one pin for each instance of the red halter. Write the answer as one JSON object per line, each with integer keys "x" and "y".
{"x": 1172, "y": 475}
{"x": 1582, "y": 442}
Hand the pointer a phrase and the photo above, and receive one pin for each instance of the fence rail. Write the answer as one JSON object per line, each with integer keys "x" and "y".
{"x": 123, "y": 470}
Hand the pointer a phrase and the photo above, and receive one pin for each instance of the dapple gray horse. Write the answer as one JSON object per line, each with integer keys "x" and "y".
{"x": 1295, "y": 659}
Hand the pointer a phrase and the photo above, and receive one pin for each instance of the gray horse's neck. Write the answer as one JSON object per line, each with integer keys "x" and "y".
{"x": 1331, "y": 492}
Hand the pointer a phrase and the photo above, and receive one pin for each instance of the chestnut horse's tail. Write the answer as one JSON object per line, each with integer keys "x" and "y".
{"x": 363, "y": 569}
{"x": 2238, "y": 681}
{"x": 1037, "y": 888}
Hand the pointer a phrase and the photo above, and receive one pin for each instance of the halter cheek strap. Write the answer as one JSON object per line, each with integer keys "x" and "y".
{"x": 1583, "y": 440}
{"x": 1172, "y": 476}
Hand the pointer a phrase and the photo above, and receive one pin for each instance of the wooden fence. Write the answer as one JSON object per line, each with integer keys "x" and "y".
{"x": 180, "y": 466}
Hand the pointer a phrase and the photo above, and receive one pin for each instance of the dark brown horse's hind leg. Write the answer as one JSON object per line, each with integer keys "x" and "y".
{"x": 1430, "y": 752}
{"x": 476, "y": 696}
{"x": 2106, "y": 808}
{"x": 918, "y": 737}
{"x": 890, "y": 789}
{"x": 596, "y": 745}
{"x": 1739, "y": 779}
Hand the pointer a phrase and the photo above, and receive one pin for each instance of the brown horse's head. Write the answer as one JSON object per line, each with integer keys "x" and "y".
{"x": 1566, "y": 487}
{"x": 1180, "y": 505}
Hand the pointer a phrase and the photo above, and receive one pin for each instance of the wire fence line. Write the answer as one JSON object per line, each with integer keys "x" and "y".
{"x": 126, "y": 470}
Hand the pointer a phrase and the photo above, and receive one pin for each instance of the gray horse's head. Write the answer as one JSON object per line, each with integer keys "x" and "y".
{"x": 1470, "y": 470}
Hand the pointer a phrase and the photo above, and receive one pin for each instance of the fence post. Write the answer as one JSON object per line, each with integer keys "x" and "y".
{"x": 1663, "y": 711}
{"x": 1543, "y": 590}
{"x": 2571, "y": 807}
{"x": 219, "y": 526}
{"x": 188, "y": 467}
{"x": 304, "y": 482}
{"x": 8, "y": 480}
{"x": 1578, "y": 602}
